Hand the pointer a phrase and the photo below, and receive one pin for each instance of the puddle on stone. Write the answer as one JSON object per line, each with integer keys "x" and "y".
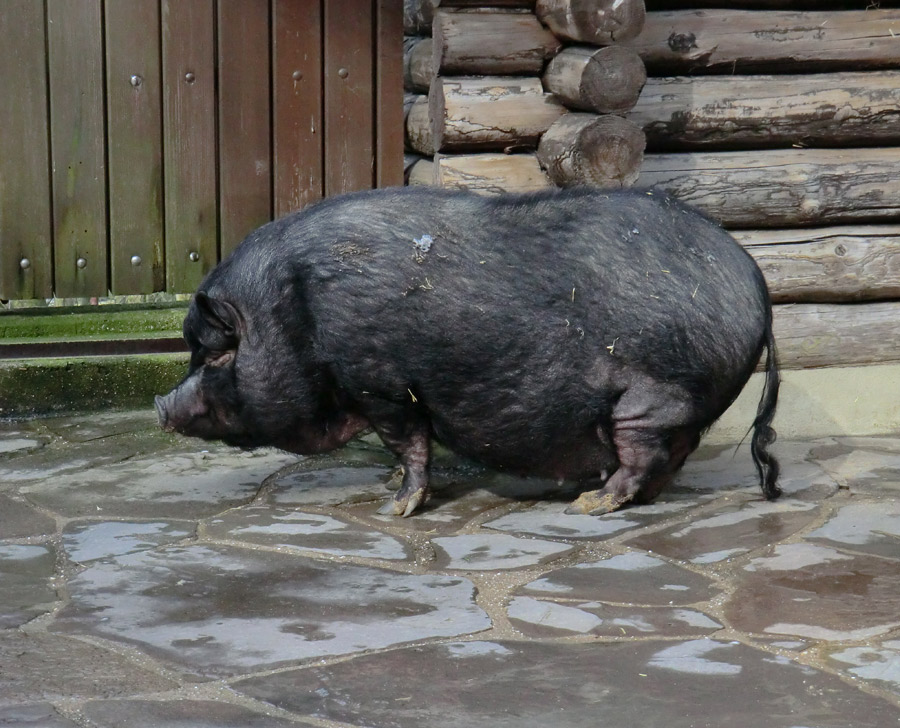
{"x": 92, "y": 541}
{"x": 881, "y": 665}
{"x": 632, "y": 578}
{"x": 21, "y": 520}
{"x": 730, "y": 531}
{"x": 15, "y": 442}
{"x": 220, "y": 610}
{"x": 541, "y": 618}
{"x": 306, "y": 531}
{"x": 25, "y": 583}
{"x": 173, "y": 484}
{"x": 816, "y": 592}
{"x": 525, "y": 684}
{"x": 872, "y": 528}
{"x": 488, "y": 552}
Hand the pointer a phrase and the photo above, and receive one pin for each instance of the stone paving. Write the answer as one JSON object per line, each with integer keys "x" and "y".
{"x": 150, "y": 580}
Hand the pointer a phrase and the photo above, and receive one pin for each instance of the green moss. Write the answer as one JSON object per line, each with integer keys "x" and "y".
{"x": 40, "y": 386}
{"x": 91, "y": 322}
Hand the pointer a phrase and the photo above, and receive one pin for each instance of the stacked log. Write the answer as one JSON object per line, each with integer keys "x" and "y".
{"x": 499, "y": 80}
{"x": 597, "y": 22}
{"x": 737, "y": 41}
{"x": 481, "y": 75}
{"x": 604, "y": 80}
{"x": 587, "y": 149}
{"x": 787, "y": 131}
{"x": 765, "y": 111}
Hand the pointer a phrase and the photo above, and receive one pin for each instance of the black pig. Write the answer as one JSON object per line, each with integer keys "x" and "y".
{"x": 580, "y": 334}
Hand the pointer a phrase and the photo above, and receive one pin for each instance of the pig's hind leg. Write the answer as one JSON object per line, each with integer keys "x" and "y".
{"x": 652, "y": 439}
{"x": 410, "y": 440}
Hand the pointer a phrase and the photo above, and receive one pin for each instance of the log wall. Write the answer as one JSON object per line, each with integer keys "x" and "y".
{"x": 781, "y": 119}
{"x": 778, "y": 118}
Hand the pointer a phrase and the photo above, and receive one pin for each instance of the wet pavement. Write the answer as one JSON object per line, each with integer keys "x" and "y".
{"x": 150, "y": 580}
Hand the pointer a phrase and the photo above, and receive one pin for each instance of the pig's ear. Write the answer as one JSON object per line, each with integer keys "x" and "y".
{"x": 221, "y": 315}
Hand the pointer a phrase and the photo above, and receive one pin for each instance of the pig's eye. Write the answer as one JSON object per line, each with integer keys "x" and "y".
{"x": 218, "y": 358}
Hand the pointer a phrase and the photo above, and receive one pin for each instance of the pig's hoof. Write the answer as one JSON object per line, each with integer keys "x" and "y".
{"x": 405, "y": 506}
{"x": 596, "y": 503}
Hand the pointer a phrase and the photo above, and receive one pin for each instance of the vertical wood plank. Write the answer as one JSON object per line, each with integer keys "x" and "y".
{"x": 189, "y": 141}
{"x": 134, "y": 139}
{"x": 297, "y": 113}
{"x": 26, "y": 254}
{"x": 77, "y": 138}
{"x": 245, "y": 150}
{"x": 349, "y": 97}
{"x": 388, "y": 93}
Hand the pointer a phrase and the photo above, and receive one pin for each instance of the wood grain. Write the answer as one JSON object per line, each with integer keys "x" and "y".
{"x": 778, "y": 188}
{"x": 734, "y": 41}
{"x": 811, "y": 335}
{"x": 25, "y": 215}
{"x": 742, "y": 112}
{"x": 134, "y": 146}
{"x": 490, "y": 112}
{"x": 77, "y": 135}
{"x": 491, "y": 43}
{"x": 189, "y": 128}
{"x": 831, "y": 265}
{"x": 244, "y": 114}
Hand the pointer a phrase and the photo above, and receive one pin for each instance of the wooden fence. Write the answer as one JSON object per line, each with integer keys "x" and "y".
{"x": 140, "y": 140}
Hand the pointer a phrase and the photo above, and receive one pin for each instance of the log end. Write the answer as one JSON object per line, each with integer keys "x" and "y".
{"x": 597, "y": 22}
{"x": 613, "y": 80}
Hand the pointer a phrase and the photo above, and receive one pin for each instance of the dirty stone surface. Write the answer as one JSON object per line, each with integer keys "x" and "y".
{"x": 150, "y": 580}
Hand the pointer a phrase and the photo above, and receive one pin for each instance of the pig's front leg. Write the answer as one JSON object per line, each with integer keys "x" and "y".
{"x": 409, "y": 439}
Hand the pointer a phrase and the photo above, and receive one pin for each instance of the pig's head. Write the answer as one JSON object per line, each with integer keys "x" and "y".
{"x": 207, "y": 403}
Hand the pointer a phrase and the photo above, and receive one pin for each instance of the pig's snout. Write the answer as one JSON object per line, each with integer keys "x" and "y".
{"x": 162, "y": 414}
{"x": 184, "y": 409}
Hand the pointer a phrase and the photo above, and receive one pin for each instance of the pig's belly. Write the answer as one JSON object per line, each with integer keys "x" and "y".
{"x": 573, "y": 453}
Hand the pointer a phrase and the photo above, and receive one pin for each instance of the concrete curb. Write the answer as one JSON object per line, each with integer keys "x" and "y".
{"x": 30, "y": 387}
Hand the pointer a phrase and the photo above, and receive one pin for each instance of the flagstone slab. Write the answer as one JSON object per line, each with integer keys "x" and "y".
{"x": 173, "y": 484}
{"x": 45, "y": 667}
{"x": 542, "y": 618}
{"x": 532, "y": 684}
{"x": 85, "y": 542}
{"x": 867, "y": 465}
{"x": 54, "y": 461}
{"x": 816, "y": 592}
{"x": 26, "y": 589}
{"x": 330, "y": 485}
{"x": 101, "y": 425}
{"x": 178, "y": 714}
{"x": 35, "y": 715}
{"x": 872, "y": 528}
{"x": 493, "y": 551}
{"x": 723, "y": 469}
{"x": 632, "y": 578}
{"x": 730, "y": 531}
{"x": 289, "y": 529}
{"x": 222, "y": 611}
{"x": 549, "y": 519}
{"x": 21, "y": 520}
